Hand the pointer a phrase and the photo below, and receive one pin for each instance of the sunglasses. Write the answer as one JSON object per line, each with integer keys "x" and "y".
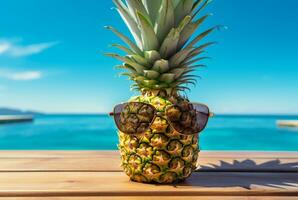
{"x": 137, "y": 117}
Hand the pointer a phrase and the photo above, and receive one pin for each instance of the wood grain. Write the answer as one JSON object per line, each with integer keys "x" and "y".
{"x": 156, "y": 198}
{"x": 99, "y": 161}
{"x": 92, "y": 175}
{"x": 80, "y": 154}
{"x": 117, "y": 184}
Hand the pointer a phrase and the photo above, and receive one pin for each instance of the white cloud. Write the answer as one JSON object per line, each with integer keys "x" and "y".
{"x": 26, "y": 76}
{"x": 10, "y": 48}
{"x": 4, "y": 47}
{"x": 22, "y": 76}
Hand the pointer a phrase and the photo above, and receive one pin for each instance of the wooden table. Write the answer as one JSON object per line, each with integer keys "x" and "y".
{"x": 92, "y": 175}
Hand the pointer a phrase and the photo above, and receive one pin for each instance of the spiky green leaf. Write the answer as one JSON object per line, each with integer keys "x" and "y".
{"x": 196, "y": 66}
{"x": 139, "y": 79}
{"x": 139, "y": 68}
{"x": 196, "y": 4}
{"x": 129, "y": 21}
{"x": 178, "y": 72}
{"x": 127, "y": 67}
{"x": 175, "y": 3}
{"x": 179, "y": 57}
{"x": 167, "y": 77}
{"x": 196, "y": 51}
{"x": 152, "y": 56}
{"x": 123, "y": 48}
{"x": 129, "y": 75}
{"x": 151, "y": 74}
{"x": 195, "y": 60}
{"x": 135, "y": 6}
{"x": 182, "y": 9}
{"x": 165, "y": 20}
{"x": 139, "y": 59}
{"x": 161, "y": 66}
{"x": 149, "y": 83}
{"x": 169, "y": 45}
{"x": 189, "y": 30}
{"x": 152, "y": 8}
{"x": 200, "y": 37}
{"x": 149, "y": 39}
{"x": 134, "y": 48}
{"x": 206, "y": 3}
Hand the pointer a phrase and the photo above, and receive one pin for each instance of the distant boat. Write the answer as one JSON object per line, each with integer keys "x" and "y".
{"x": 287, "y": 123}
{"x": 4, "y": 119}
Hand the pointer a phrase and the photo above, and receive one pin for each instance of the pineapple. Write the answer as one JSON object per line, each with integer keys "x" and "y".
{"x": 160, "y": 60}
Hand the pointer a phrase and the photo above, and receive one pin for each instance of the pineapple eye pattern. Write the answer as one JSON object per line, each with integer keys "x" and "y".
{"x": 133, "y": 117}
{"x": 188, "y": 118}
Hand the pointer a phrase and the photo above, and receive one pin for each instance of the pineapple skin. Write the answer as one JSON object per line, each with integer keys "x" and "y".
{"x": 161, "y": 154}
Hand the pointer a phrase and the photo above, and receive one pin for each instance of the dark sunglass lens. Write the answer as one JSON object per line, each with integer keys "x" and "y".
{"x": 202, "y": 115}
{"x": 134, "y": 117}
{"x": 181, "y": 117}
{"x": 187, "y": 118}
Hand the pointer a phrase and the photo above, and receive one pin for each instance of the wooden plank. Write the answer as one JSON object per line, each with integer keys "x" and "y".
{"x": 117, "y": 184}
{"x": 59, "y": 161}
{"x": 54, "y": 154}
{"x": 109, "y": 161}
{"x": 156, "y": 198}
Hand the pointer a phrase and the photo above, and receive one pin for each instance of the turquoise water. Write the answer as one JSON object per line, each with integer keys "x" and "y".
{"x": 88, "y": 132}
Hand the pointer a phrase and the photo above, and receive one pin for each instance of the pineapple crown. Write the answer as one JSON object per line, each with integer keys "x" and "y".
{"x": 163, "y": 54}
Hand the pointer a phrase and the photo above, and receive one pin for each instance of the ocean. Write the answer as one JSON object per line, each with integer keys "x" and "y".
{"x": 98, "y": 132}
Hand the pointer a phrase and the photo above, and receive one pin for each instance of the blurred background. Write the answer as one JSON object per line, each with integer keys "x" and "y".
{"x": 52, "y": 66}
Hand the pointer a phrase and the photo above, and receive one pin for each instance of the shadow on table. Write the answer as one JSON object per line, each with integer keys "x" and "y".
{"x": 246, "y": 173}
{"x": 249, "y": 165}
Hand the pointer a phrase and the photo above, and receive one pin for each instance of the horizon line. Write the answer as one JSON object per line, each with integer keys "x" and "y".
{"x": 216, "y": 114}
{"x": 106, "y": 113}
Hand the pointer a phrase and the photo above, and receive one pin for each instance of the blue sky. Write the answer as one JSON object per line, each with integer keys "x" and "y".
{"x": 50, "y": 57}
